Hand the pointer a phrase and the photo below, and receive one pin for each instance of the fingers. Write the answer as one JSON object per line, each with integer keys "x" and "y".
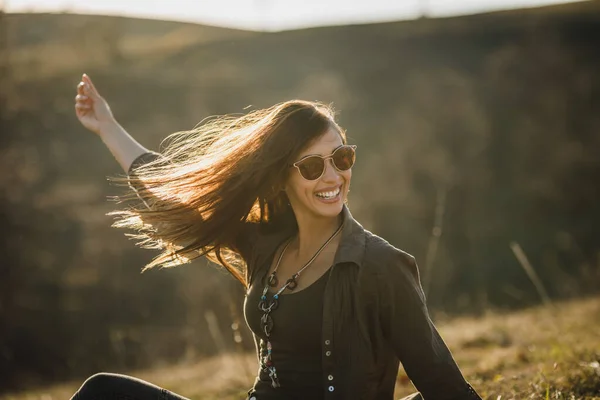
{"x": 85, "y": 90}
{"x": 83, "y": 101}
{"x": 82, "y": 106}
{"x": 81, "y": 110}
{"x": 89, "y": 85}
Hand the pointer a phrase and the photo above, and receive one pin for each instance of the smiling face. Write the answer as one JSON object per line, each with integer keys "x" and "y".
{"x": 323, "y": 197}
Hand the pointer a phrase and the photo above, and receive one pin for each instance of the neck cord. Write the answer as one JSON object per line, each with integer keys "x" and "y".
{"x": 267, "y": 306}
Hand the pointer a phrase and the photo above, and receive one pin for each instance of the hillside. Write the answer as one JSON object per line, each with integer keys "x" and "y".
{"x": 79, "y": 39}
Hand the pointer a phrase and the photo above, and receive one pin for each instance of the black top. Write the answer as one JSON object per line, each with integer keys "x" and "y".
{"x": 296, "y": 341}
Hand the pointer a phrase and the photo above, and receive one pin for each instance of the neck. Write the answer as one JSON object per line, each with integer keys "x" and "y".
{"x": 314, "y": 231}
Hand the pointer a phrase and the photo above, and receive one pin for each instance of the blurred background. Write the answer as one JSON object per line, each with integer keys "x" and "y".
{"x": 478, "y": 133}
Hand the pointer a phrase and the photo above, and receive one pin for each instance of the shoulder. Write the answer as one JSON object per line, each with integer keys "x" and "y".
{"x": 252, "y": 240}
{"x": 390, "y": 267}
{"x": 382, "y": 257}
{"x": 144, "y": 159}
{"x": 257, "y": 243}
{"x": 391, "y": 275}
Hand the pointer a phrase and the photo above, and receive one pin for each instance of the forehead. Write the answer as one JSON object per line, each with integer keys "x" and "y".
{"x": 324, "y": 145}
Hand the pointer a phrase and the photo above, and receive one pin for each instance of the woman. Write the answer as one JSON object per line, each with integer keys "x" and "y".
{"x": 333, "y": 308}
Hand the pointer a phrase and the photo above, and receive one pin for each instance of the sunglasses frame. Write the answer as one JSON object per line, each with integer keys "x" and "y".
{"x": 324, "y": 158}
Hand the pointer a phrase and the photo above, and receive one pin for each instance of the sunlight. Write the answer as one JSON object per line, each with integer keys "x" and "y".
{"x": 274, "y": 15}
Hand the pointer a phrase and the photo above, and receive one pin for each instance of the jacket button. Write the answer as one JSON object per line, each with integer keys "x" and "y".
{"x": 328, "y": 353}
{"x": 330, "y": 377}
{"x": 331, "y": 388}
{"x": 327, "y": 342}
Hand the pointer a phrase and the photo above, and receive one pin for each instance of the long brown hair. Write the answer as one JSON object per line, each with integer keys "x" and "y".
{"x": 214, "y": 179}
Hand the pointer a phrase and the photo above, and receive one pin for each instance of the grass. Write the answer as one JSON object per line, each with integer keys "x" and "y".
{"x": 539, "y": 353}
{"x": 545, "y": 352}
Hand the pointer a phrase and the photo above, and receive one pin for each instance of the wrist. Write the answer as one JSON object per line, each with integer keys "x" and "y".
{"x": 109, "y": 128}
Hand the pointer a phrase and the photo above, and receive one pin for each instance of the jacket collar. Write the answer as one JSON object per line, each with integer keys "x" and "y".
{"x": 352, "y": 245}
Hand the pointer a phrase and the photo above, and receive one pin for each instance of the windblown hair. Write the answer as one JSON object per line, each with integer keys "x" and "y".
{"x": 212, "y": 181}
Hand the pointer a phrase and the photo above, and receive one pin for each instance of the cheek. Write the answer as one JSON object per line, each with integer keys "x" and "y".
{"x": 347, "y": 176}
{"x": 296, "y": 186}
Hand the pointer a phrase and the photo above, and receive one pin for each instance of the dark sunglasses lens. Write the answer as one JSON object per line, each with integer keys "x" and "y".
{"x": 344, "y": 158}
{"x": 311, "y": 168}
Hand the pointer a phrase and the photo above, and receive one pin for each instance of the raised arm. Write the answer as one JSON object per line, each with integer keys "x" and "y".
{"x": 168, "y": 214}
{"x": 94, "y": 113}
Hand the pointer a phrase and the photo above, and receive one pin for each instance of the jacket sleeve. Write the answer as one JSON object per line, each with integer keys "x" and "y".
{"x": 413, "y": 336}
{"x": 135, "y": 183}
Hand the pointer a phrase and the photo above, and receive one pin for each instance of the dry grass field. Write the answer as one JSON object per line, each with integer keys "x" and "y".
{"x": 539, "y": 353}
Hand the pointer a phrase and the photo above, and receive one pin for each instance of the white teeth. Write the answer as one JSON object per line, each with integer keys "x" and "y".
{"x": 329, "y": 195}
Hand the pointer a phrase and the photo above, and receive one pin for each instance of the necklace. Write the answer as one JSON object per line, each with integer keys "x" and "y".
{"x": 267, "y": 306}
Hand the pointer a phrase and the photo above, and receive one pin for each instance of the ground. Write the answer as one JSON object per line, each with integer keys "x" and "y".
{"x": 540, "y": 353}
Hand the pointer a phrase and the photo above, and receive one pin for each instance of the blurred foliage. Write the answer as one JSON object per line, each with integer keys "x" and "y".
{"x": 492, "y": 120}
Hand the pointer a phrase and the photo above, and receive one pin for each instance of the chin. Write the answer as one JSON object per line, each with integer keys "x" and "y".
{"x": 329, "y": 210}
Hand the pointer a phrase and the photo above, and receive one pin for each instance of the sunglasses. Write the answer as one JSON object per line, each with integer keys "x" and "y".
{"x": 312, "y": 167}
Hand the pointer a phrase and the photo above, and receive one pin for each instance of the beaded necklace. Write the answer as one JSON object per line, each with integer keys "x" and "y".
{"x": 268, "y": 306}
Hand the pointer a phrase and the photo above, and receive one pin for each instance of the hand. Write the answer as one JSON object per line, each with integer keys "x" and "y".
{"x": 91, "y": 109}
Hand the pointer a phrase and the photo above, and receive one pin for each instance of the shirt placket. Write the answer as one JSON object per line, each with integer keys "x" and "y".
{"x": 330, "y": 381}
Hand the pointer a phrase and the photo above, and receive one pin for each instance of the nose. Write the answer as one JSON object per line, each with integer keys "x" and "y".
{"x": 331, "y": 174}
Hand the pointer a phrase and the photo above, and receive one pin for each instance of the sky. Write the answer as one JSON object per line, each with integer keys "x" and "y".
{"x": 274, "y": 15}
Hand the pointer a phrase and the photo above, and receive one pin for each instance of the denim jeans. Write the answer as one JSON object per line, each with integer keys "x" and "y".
{"x": 104, "y": 386}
